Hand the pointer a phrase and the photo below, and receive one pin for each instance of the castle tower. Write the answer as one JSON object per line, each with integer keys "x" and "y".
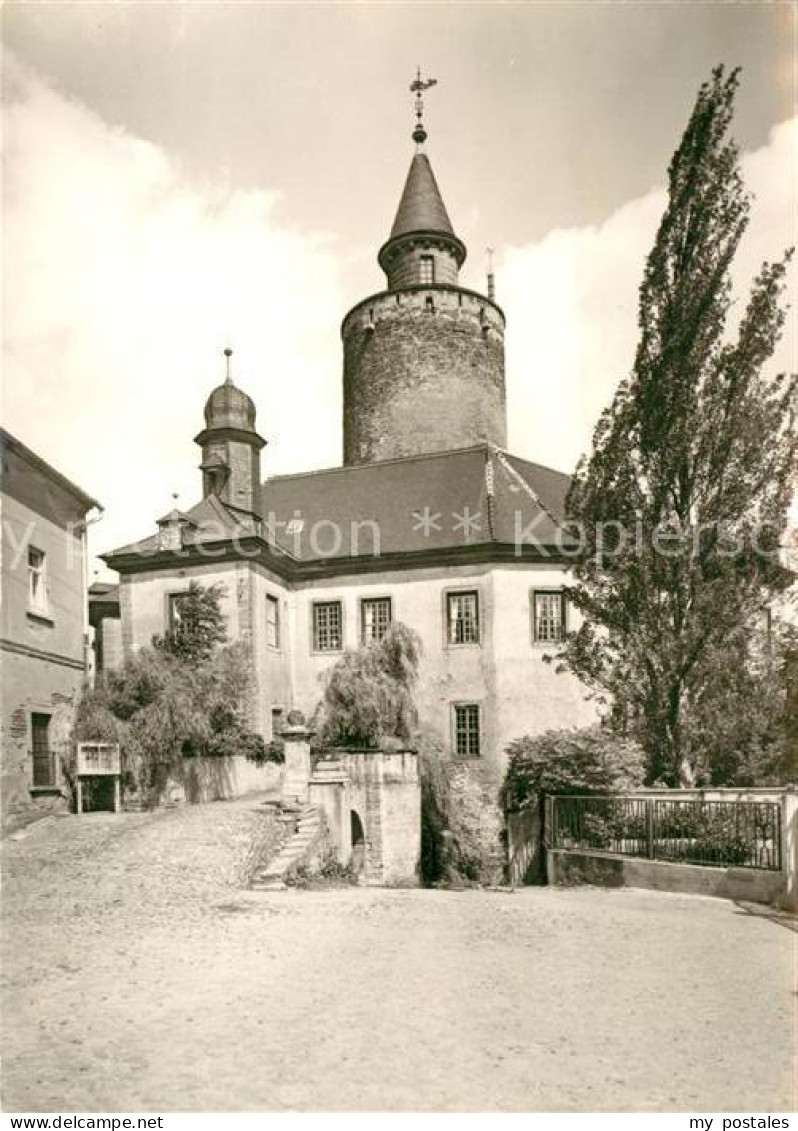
{"x": 230, "y": 446}
{"x": 424, "y": 359}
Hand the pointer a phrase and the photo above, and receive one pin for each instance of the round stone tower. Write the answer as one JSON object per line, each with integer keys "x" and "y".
{"x": 424, "y": 359}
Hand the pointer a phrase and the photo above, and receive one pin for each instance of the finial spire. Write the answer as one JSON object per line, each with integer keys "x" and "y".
{"x": 417, "y": 87}
{"x": 228, "y": 353}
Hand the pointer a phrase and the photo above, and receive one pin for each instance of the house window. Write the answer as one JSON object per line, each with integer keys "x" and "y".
{"x": 426, "y": 270}
{"x": 43, "y": 766}
{"x": 176, "y": 603}
{"x": 327, "y": 626}
{"x": 466, "y": 730}
{"x": 375, "y": 618}
{"x": 277, "y": 722}
{"x": 462, "y": 618}
{"x": 272, "y": 621}
{"x": 548, "y": 616}
{"x": 37, "y": 579}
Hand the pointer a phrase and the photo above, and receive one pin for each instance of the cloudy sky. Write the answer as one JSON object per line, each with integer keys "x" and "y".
{"x": 183, "y": 175}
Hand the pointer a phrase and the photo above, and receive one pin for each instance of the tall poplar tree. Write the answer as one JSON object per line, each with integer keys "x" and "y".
{"x": 683, "y": 502}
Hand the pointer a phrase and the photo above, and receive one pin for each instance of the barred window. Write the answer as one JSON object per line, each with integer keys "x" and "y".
{"x": 43, "y": 761}
{"x": 426, "y": 270}
{"x": 548, "y": 616}
{"x": 462, "y": 611}
{"x": 272, "y": 621}
{"x": 466, "y": 730}
{"x": 375, "y": 618}
{"x": 327, "y": 626}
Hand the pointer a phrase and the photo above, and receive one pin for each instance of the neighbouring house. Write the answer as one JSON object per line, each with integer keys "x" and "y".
{"x": 45, "y": 642}
{"x": 106, "y": 626}
{"x": 430, "y": 520}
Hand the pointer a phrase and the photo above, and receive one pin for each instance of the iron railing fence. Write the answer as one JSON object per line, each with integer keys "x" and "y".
{"x": 742, "y": 834}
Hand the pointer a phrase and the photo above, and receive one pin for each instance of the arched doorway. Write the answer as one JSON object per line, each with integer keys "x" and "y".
{"x": 358, "y": 842}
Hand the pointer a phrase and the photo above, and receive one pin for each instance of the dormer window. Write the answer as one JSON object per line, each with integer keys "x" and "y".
{"x": 426, "y": 270}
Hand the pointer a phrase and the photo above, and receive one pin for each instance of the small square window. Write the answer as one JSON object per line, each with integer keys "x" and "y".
{"x": 548, "y": 616}
{"x": 467, "y": 742}
{"x": 327, "y": 626}
{"x": 375, "y": 618}
{"x": 272, "y": 621}
{"x": 37, "y": 579}
{"x": 462, "y": 618}
{"x": 426, "y": 270}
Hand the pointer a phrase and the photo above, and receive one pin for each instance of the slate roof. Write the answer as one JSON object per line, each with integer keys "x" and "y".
{"x": 473, "y": 498}
{"x": 442, "y": 500}
{"x": 212, "y": 521}
{"x": 421, "y": 208}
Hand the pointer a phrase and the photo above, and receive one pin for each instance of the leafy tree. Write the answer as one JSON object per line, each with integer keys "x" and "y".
{"x": 183, "y": 697}
{"x": 369, "y": 692}
{"x": 683, "y": 502}
{"x": 200, "y": 625}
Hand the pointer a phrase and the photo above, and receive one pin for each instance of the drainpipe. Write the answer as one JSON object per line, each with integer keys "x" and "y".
{"x": 88, "y": 521}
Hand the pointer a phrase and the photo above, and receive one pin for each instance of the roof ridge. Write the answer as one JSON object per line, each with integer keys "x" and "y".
{"x": 482, "y": 446}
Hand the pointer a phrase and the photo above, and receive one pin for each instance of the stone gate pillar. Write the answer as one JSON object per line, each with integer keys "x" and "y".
{"x": 296, "y": 742}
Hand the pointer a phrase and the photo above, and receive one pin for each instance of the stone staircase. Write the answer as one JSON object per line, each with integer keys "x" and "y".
{"x": 309, "y": 833}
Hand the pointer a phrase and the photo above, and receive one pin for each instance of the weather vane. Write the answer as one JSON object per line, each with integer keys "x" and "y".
{"x": 417, "y": 87}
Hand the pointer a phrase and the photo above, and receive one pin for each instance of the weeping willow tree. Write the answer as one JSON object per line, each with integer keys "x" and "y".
{"x": 682, "y": 504}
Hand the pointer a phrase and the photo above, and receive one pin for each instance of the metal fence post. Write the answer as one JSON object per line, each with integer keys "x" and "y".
{"x": 650, "y": 827}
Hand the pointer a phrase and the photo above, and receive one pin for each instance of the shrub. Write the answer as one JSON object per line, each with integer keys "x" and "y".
{"x": 590, "y": 760}
{"x": 451, "y": 852}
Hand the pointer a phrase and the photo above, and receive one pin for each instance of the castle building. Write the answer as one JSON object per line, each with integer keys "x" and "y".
{"x": 430, "y": 520}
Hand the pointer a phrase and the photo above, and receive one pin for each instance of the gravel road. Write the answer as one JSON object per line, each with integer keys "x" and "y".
{"x": 140, "y": 976}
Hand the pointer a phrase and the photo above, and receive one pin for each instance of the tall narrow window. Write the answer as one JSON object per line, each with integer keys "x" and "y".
{"x": 37, "y": 580}
{"x": 462, "y": 614}
{"x": 43, "y": 767}
{"x": 176, "y": 603}
{"x": 466, "y": 730}
{"x": 327, "y": 626}
{"x": 375, "y": 618}
{"x": 272, "y": 621}
{"x": 548, "y": 616}
{"x": 426, "y": 270}
{"x": 277, "y": 722}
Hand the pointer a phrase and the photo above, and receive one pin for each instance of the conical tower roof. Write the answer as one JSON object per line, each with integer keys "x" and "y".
{"x": 421, "y": 208}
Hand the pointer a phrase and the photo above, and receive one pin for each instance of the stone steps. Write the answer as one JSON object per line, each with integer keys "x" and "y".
{"x": 308, "y": 826}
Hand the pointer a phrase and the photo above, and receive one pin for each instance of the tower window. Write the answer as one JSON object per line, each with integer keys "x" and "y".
{"x": 375, "y": 618}
{"x": 429, "y": 305}
{"x": 466, "y": 730}
{"x": 328, "y": 633}
{"x": 426, "y": 270}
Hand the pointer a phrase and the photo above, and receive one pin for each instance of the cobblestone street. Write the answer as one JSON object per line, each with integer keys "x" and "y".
{"x": 140, "y": 976}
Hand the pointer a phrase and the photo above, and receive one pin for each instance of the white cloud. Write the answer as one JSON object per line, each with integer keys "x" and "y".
{"x": 123, "y": 281}
{"x": 571, "y": 305}
{"x": 122, "y": 284}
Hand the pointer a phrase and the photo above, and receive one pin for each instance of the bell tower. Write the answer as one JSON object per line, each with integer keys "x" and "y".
{"x": 230, "y": 446}
{"x": 423, "y": 359}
